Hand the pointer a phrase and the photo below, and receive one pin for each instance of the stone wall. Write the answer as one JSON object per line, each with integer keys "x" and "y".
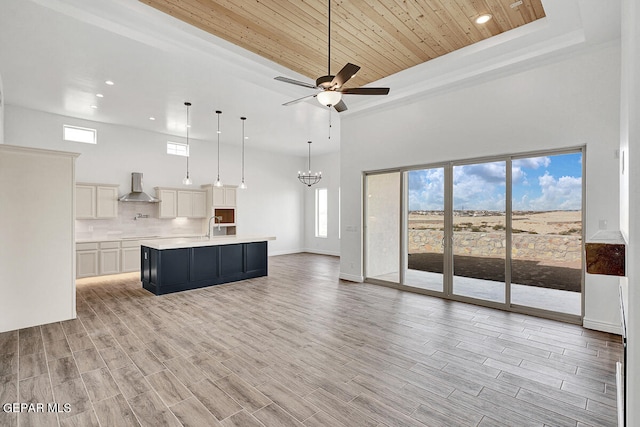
{"x": 487, "y": 244}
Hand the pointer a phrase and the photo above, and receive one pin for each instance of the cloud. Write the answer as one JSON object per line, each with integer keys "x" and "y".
{"x": 532, "y": 162}
{"x": 487, "y": 172}
{"x": 564, "y": 193}
{"x": 482, "y": 187}
{"x": 479, "y": 187}
{"x": 519, "y": 176}
{"x": 426, "y": 189}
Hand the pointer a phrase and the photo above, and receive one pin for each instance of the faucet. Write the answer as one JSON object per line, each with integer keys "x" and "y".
{"x": 214, "y": 218}
{"x": 139, "y": 215}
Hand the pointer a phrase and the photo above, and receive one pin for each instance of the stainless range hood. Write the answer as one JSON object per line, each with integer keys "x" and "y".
{"x": 137, "y": 195}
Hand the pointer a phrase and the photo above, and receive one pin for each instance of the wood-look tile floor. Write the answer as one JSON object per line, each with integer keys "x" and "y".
{"x": 300, "y": 347}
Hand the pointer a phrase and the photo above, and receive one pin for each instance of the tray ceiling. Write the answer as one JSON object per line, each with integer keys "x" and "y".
{"x": 383, "y": 37}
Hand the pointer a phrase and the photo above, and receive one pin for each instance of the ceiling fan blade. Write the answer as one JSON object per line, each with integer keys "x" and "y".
{"x": 366, "y": 91}
{"x": 300, "y": 99}
{"x": 345, "y": 74}
{"x": 340, "y": 106}
{"x": 294, "y": 82}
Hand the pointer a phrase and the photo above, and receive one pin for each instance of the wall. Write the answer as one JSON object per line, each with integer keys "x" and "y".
{"x": 630, "y": 195}
{"x": 1, "y": 112}
{"x": 329, "y": 165}
{"x": 488, "y": 244}
{"x": 127, "y": 225}
{"x": 36, "y": 255}
{"x": 272, "y": 204}
{"x": 562, "y": 102}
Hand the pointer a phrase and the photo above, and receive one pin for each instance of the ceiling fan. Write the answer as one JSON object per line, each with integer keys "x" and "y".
{"x": 331, "y": 87}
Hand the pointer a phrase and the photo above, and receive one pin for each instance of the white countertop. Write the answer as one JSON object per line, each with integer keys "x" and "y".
{"x": 192, "y": 242}
{"x": 613, "y": 237}
{"x": 119, "y": 238}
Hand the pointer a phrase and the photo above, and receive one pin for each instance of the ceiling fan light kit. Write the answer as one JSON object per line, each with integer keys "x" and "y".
{"x": 330, "y": 86}
{"x": 329, "y": 98}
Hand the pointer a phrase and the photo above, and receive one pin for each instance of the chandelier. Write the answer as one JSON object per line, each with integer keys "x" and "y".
{"x": 309, "y": 178}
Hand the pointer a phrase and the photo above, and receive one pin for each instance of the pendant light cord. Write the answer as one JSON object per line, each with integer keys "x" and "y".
{"x": 188, "y": 153}
{"x": 218, "y": 113}
{"x": 309, "y": 157}
{"x": 243, "y": 119}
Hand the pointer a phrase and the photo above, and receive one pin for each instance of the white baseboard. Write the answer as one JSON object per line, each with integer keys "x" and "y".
{"x": 597, "y": 325}
{"x": 286, "y": 252}
{"x": 322, "y": 252}
{"x": 351, "y": 277}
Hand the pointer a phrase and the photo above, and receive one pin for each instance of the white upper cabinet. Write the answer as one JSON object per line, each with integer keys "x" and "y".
{"x": 224, "y": 197}
{"x": 168, "y": 206}
{"x": 106, "y": 201}
{"x": 96, "y": 201}
{"x": 182, "y": 203}
{"x": 85, "y": 201}
{"x": 192, "y": 204}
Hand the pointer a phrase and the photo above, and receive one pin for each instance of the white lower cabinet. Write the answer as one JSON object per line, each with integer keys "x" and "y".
{"x": 112, "y": 257}
{"x": 109, "y": 261}
{"x": 86, "y": 263}
{"x": 130, "y": 257}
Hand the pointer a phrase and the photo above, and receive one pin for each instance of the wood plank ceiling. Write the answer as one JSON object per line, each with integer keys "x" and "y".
{"x": 383, "y": 37}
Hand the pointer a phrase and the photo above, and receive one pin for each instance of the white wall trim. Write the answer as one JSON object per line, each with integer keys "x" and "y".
{"x": 351, "y": 277}
{"x": 597, "y": 325}
{"x": 286, "y": 252}
{"x": 322, "y": 252}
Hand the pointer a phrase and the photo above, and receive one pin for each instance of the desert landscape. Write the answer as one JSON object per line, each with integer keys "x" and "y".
{"x": 546, "y": 246}
{"x": 533, "y": 222}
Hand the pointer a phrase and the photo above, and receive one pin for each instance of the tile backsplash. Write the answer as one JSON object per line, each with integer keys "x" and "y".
{"x": 127, "y": 225}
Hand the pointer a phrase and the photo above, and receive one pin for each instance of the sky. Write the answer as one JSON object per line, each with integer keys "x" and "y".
{"x": 539, "y": 184}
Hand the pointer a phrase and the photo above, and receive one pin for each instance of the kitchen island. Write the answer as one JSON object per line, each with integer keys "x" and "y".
{"x": 173, "y": 265}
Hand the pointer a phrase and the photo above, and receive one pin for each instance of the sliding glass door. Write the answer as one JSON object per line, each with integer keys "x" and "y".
{"x": 546, "y": 254}
{"x": 382, "y": 224}
{"x": 479, "y": 231}
{"x": 504, "y": 232}
{"x": 424, "y": 261}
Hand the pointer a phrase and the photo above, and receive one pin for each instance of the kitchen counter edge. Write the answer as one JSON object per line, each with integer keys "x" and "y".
{"x": 193, "y": 242}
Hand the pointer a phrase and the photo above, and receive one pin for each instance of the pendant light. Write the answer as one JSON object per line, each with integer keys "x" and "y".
{"x": 309, "y": 178}
{"x": 218, "y": 183}
{"x": 187, "y": 179}
{"x": 243, "y": 186}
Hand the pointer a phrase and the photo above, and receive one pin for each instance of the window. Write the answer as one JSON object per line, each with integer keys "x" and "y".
{"x": 177, "y": 149}
{"x": 78, "y": 134}
{"x": 321, "y": 212}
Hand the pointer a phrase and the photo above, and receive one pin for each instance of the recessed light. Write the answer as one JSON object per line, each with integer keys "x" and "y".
{"x": 483, "y": 19}
{"x": 246, "y": 137}
{"x": 219, "y": 131}
{"x": 94, "y": 106}
{"x": 99, "y": 95}
{"x": 152, "y": 118}
{"x": 109, "y": 82}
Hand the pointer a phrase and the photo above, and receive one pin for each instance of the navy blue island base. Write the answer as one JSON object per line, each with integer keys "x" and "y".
{"x": 170, "y": 270}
